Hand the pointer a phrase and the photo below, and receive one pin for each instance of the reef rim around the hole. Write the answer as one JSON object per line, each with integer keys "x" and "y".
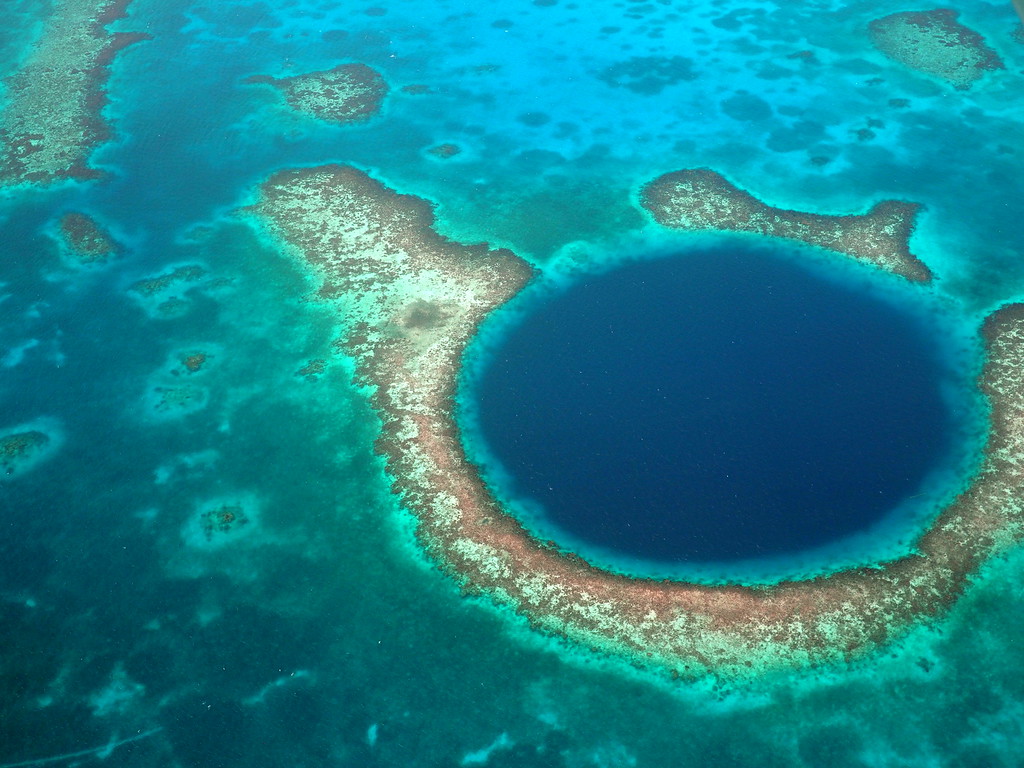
{"x": 411, "y": 301}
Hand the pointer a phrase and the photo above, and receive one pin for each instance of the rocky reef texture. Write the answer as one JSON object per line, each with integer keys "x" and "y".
{"x": 53, "y": 118}
{"x": 935, "y": 43}
{"x": 444, "y": 151}
{"x": 411, "y": 300}
{"x": 222, "y": 520}
{"x": 85, "y": 240}
{"x": 19, "y": 449}
{"x": 166, "y": 295}
{"x": 152, "y": 286}
{"x": 701, "y": 199}
{"x": 346, "y": 94}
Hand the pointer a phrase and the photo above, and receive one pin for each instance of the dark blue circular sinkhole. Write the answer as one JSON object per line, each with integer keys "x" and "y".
{"x": 713, "y": 407}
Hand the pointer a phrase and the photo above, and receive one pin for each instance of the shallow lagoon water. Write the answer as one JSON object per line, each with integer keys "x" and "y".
{"x": 320, "y": 634}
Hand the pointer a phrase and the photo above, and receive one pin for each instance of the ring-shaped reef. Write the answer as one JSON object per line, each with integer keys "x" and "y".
{"x": 722, "y": 408}
{"x": 411, "y": 301}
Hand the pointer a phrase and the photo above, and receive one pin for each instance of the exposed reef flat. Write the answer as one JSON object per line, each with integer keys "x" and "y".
{"x": 85, "y": 240}
{"x": 346, "y": 94}
{"x": 935, "y": 43}
{"x": 53, "y": 117}
{"x": 411, "y": 301}
{"x": 701, "y": 199}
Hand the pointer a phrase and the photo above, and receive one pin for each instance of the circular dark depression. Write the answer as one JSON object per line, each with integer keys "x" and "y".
{"x": 713, "y": 407}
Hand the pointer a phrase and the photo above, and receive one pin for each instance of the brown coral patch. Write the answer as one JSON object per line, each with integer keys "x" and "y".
{"x": 346, "y": 94}
{"x": 445, "y": 151}
{"x": 223, "y": 520}
{"x": 53, "y": 118}
{"x": 152, "y": 286}
{"x": 87, "y": 241}
{"x": 20, "y": 447}
{"x": 194, "y": 362}
{"x": 935, "y": 43}
{"x": 701, "y": 199}
{"x": 312, "y": 369}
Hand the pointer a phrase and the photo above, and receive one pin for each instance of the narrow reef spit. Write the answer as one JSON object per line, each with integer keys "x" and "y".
{"x": 411, "y": 300}
{"x": 53, "y": 118}
{"x": 701, "y": 199}
{"x": 935, "y": 43}
{"x": 349, "y": 93}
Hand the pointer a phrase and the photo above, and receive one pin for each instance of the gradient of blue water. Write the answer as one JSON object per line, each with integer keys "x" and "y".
{"x": 95, "y": 572}
{"x": 717, "y": 406}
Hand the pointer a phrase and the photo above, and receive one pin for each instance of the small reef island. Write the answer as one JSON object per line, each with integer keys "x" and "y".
{"x": 85, "y": 240}
{"x": 349, "y": 93}
{"x": 412, "y": 300}
{"x": 935, "y": 43}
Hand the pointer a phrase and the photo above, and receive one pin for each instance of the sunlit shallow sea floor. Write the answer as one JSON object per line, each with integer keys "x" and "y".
{"x": 206, "y": 565}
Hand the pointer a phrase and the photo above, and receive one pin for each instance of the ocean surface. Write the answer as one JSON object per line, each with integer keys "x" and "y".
{"x": 317, "y": 633}
{"x": 718, "y": 406}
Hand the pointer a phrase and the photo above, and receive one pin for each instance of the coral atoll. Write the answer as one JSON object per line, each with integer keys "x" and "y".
{"x": 411, "y": 300}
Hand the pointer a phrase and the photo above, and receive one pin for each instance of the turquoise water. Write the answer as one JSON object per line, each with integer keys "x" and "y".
{"x": 317, "y": 634}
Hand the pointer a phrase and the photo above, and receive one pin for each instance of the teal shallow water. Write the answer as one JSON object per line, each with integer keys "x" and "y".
{"x": 317, "y": 633}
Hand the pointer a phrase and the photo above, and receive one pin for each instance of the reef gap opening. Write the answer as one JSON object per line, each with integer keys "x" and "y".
{"x": 712, "y": 407}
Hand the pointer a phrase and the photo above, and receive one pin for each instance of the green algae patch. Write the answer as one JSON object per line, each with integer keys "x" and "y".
{"x": 411, "y": 300}
{"x": 935, "y": 43}
{"x": 349, "y": 93}
{"x": 53, "y": 118}
{"x": 701, "y": 199}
